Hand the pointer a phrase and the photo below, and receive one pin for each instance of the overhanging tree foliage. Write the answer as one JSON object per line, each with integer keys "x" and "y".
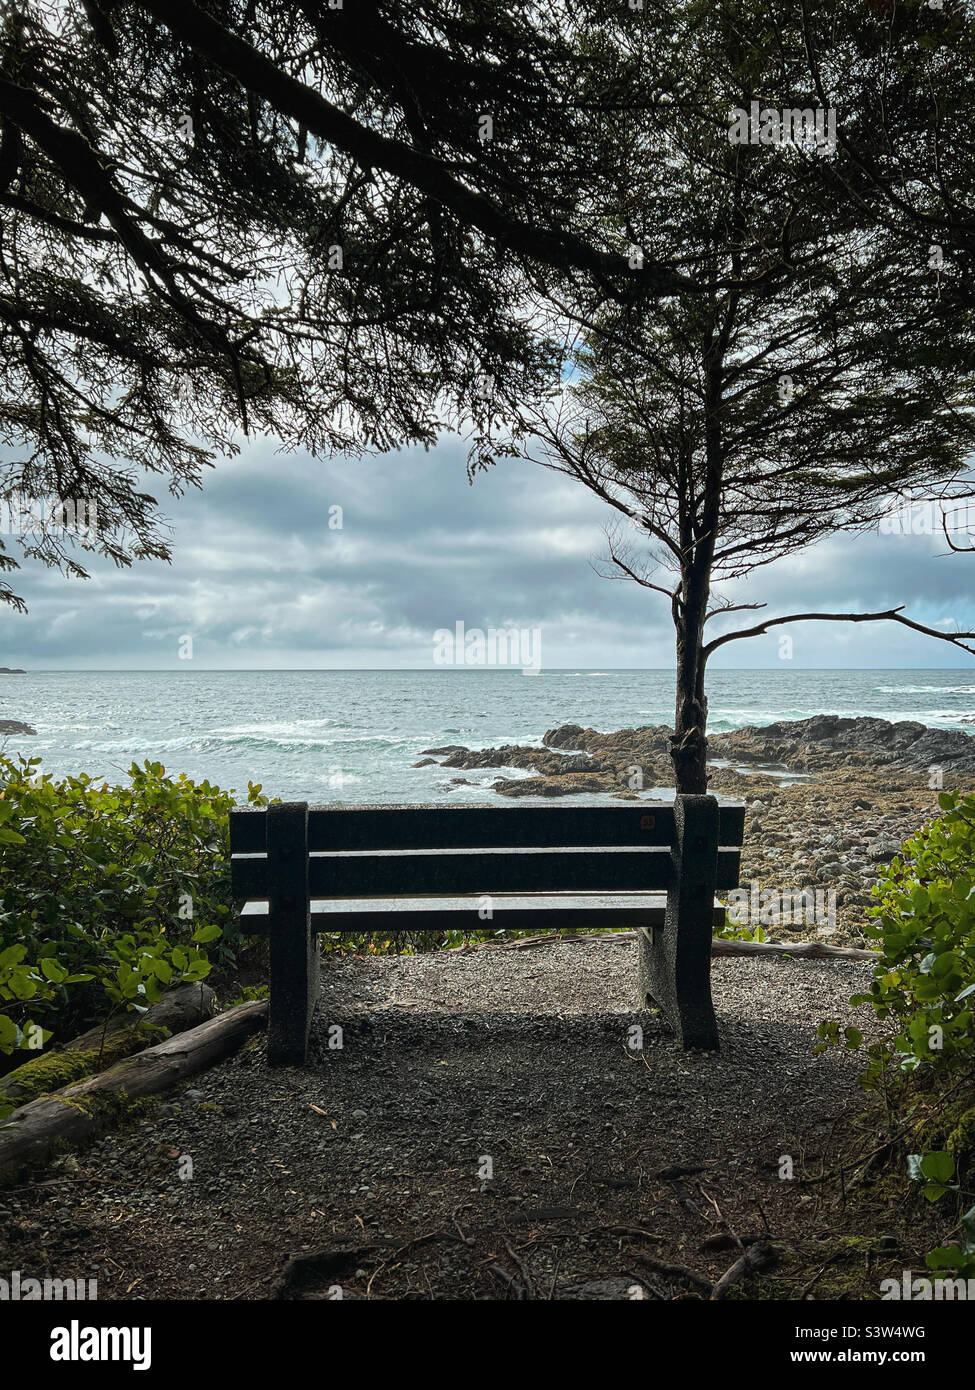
{"x": 737, "y": 427}
{"x": 348, "y": 227}
{"x": 333, "y": 224}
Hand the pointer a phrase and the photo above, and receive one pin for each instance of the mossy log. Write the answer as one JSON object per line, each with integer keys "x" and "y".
{"x": 78, "y": 1112}
{"x": 97, "y": 1049}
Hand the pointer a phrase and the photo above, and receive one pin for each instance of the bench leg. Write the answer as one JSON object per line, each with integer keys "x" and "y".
{"x": 294, "y": 993}
{"x": 293, "y": 945}
{"x": 675, "y": 960}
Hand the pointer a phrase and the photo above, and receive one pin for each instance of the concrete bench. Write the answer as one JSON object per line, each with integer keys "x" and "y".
{"x": 652, "y": 866}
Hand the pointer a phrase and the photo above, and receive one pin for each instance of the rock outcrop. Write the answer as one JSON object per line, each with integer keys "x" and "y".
{"x": 13, "y": 726}
{"x": 575, "y": 760}
{"x": 827, "y": 740}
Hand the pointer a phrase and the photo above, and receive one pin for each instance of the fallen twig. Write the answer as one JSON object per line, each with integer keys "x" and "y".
{"x": 677, "y": 1272}
{"x": 757, "y": 1257}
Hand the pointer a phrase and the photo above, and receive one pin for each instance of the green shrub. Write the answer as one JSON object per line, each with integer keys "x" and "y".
{"x": 108, "y": 894}
{"x": 924, "y": 980}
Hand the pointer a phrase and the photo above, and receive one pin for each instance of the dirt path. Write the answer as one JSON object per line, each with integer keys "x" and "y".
{"x": 370, "y": 1165}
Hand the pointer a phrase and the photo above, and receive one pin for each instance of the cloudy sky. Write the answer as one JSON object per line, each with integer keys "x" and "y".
{"x": 259, "y": 579}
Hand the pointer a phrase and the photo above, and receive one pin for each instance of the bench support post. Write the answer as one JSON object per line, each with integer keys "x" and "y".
{"x": 675, "y": 960}
{"x": 293, "y": 945}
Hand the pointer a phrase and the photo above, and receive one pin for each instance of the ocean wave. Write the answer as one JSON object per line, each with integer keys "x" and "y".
{"x": 925, "y": 689}
{"x": 137, "y": 747}
{"x": 291, "y": 727}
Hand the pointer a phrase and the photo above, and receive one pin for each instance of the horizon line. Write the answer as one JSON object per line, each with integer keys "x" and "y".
{"x": 191, "y": 669}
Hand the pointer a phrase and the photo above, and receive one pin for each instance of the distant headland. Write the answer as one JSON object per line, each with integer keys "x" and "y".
{"x": 11, "y": 671}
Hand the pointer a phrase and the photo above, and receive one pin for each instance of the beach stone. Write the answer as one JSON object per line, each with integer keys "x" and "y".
{"x": 831, "y": 871}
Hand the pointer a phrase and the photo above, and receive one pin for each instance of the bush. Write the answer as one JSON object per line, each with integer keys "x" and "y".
{"x": 924, "y": 981}
{"x": 108, "y": 895}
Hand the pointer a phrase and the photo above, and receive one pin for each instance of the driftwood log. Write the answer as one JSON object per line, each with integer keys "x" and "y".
{"x": 799, "y": 950}
{"x": 80, "y": 1111}
{"x": 118, "y": 1037}
{"x": 720, "y": 946}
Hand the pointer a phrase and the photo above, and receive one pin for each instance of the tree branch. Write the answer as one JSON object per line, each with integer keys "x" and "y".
{"x": 893, "y": 615}
{"x": 371, "y": 150}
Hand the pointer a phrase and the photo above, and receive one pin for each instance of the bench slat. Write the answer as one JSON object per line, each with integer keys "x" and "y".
{"x": 493, "y": 870}
{"x": 481, "y": 826}
{"x": 577, "y": 911}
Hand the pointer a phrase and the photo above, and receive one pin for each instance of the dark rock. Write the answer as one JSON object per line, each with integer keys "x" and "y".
{"x": 826, "y": 740}
{"x": 13, "y": 726}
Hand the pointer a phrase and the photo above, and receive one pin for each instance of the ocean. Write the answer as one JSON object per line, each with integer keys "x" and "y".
{"x": 351, "y": 736}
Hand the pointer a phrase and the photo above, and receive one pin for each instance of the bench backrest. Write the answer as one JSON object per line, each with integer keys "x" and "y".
{"x": 382, "y": 851}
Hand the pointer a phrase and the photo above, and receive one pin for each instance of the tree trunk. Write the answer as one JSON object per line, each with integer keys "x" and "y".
{"x": 689, "y": 746}
{"x": 699, "y": 523}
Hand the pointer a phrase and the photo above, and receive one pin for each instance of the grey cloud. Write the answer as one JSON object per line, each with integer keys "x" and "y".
{"x": 259, "y": 579}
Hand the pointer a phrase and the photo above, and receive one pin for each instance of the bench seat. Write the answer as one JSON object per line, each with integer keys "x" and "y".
{"x": 519, "y": 912}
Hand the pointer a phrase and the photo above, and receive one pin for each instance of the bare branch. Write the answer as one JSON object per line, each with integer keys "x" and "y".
{"x": 893, "y": 615}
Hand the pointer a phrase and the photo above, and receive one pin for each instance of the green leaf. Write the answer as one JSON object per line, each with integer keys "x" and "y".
{"x": 939, "y": 1166}
{"x": 204, "y": 934}
{"x": 944, "y": 1257}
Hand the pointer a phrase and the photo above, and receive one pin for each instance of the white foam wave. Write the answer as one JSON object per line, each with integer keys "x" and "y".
{"x": 925, "y": 689}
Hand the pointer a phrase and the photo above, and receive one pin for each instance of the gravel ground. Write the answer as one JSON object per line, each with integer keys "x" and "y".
{"x": 484, "y": 1132}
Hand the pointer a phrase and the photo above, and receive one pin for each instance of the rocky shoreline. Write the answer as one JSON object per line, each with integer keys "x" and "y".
{"x": 828, "y": 800}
